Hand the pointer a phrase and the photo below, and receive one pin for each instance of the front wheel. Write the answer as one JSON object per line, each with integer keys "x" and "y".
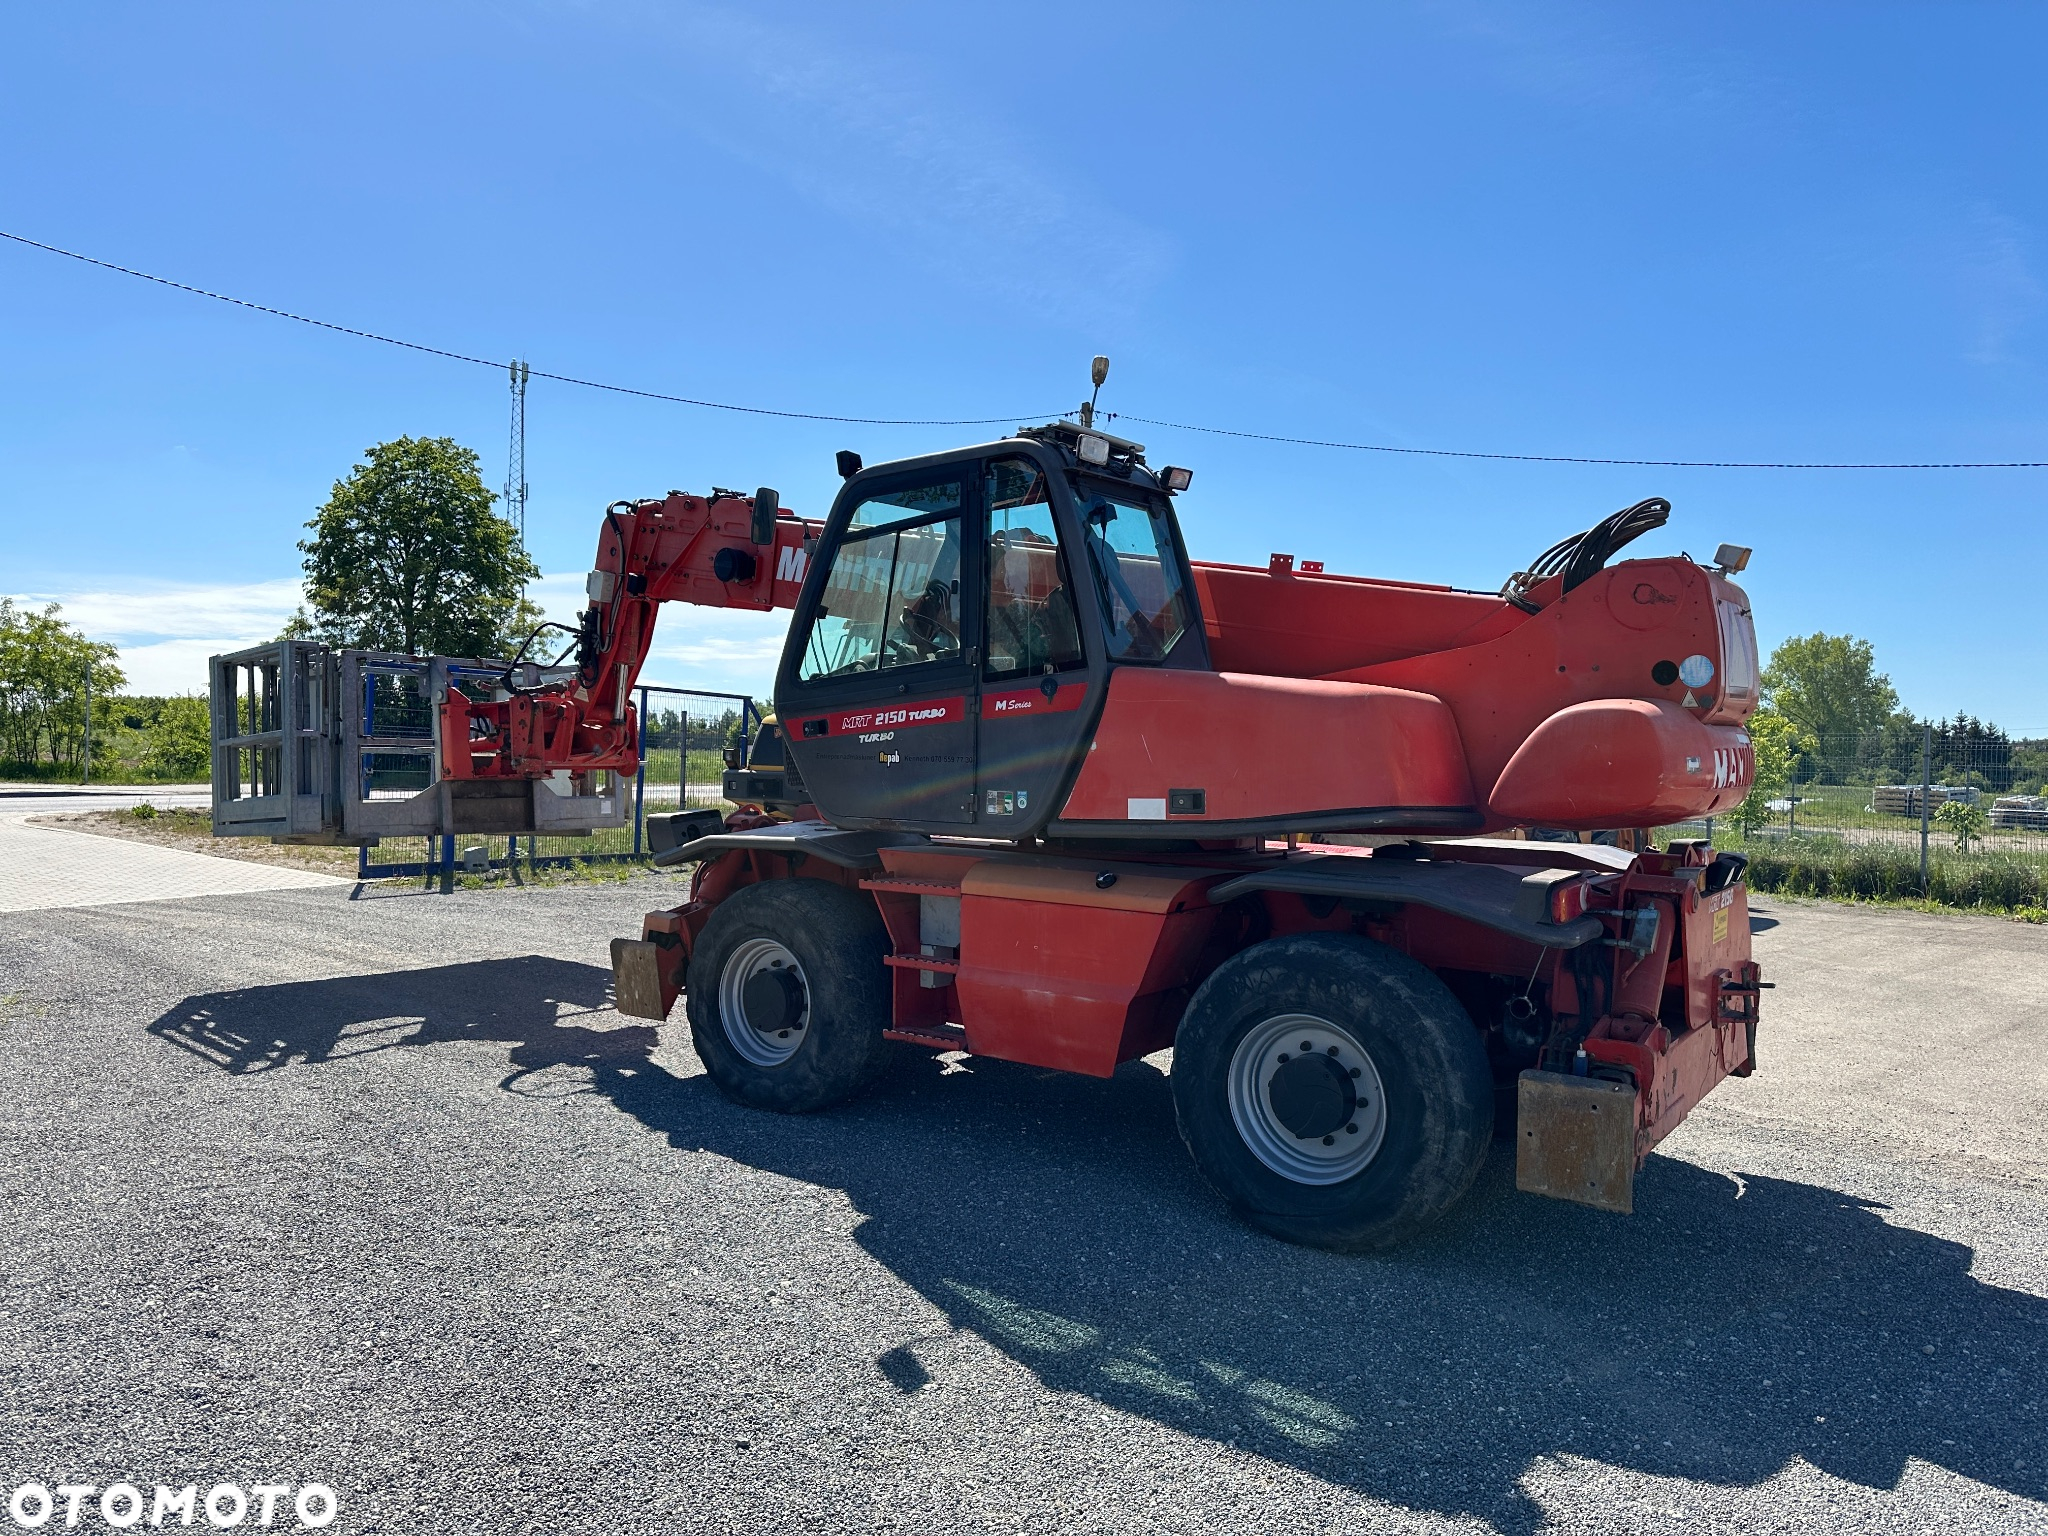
{"x": 1333, "y": 1090}
{"x": 788, "y": 996}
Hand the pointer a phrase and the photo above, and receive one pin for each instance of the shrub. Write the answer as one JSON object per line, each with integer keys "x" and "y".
{"x": 180, "y": 744}
{"x": 1822, "y": 866}
{"x": 1965, "y": 821}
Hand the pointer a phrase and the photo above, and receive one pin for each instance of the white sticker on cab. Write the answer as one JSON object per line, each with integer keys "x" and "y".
{"x": 1145, "y": 810}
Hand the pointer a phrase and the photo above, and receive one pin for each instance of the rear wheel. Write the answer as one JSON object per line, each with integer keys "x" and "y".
{"x": 1333, "y": 1090}
{"x": 787, "y": 995}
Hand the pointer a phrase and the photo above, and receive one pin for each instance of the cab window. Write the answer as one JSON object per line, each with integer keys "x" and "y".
{"x": 1031, "y": 625}
{"x": 892, "y": 596}
{"x": 1131, "y": 544}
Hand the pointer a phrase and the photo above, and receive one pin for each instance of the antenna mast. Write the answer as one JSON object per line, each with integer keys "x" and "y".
{"x": 515, "y": 474}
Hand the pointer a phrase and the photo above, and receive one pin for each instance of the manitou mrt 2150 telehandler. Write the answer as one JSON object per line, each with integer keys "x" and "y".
{"x": 1043, "y": 789}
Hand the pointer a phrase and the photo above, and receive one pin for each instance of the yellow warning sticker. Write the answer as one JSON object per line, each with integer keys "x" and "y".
{"x": 1721, "y": 925}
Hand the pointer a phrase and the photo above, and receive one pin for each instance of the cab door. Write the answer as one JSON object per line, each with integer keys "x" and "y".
{"x": 877, "y": 693}
{"x": 1037, "y": 702}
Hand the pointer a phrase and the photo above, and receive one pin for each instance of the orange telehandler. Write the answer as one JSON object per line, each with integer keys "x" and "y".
{"x": 1043, "y": 789}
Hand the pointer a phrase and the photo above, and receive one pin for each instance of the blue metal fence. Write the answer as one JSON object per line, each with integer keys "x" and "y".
{"x": 441, "y": 862}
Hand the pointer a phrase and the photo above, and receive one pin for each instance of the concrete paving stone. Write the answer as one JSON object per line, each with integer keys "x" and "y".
{"x": 45, "y": 867}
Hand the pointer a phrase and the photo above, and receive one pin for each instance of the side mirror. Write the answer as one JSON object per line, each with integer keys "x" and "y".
{"x": 766, "y": 505}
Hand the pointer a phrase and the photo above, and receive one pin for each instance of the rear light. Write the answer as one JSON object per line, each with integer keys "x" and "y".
{"x": 1738, "y": 651}
{"x": 1567, "y": 901}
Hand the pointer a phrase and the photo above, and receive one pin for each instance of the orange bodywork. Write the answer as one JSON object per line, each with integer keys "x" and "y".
{"x": 1317, "y": 748}
{"x": 1560, "y": 718}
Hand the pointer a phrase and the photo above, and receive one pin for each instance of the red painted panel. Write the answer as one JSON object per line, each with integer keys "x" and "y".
{"x": 898, "y": 717}
{"x": 1601, "y": 641}
{"x": 1716, "y": 940}
{"x": 1075, "y": 984}
{"x": 1281, "y": 623}
{"x": 1624, "y": 763}
{"x": 1033, "y": 701}
{"x": 1263, "y": 747}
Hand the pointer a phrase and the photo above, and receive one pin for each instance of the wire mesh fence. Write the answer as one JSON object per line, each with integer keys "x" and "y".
{"x": 681, "y": 768}
{"x": 1956, "y": 812}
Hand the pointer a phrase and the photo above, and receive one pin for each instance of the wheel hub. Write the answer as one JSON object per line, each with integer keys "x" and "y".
{"x": 1306, "y": 1098}
{"x": 773, "y": 1000}
{"x": 764, "y": 1001}
{"x": 1312, "y": 1095}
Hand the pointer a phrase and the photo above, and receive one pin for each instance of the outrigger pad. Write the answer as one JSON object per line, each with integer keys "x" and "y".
{"x": 1575, "y": 1139}
{"x": 679, "y": 827}
{"x": 636, "y": 979}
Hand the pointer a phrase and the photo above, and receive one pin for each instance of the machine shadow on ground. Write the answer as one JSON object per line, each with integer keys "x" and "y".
{"x": 1731, "y": 1326}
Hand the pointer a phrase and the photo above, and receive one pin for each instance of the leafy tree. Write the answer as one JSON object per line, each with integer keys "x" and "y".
{"x": 1964, "y": 820}
{"x": 1776, "y": 743}
{"x": 43, "y": 667}
{"x": 1972, "y": 751}
{"x": 2029, "y": 766}
{"x": 1899, "y": 750}
{"x": 180, "y": 739}
{"x": 1829, "y": 687}
{"x": 407, "y": 556}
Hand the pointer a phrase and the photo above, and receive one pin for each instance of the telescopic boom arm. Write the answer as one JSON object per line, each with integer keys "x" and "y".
{"x": 724, "y": 550}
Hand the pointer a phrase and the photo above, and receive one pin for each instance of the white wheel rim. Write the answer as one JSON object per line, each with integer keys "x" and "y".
{"x": 1333, "y": 1150}
{"x": 762, "y": 1047}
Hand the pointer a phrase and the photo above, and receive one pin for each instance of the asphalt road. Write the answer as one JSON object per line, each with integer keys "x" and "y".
{"x": 378, "y": 1192}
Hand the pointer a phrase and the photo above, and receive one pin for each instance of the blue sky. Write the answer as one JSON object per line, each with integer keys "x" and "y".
{"x": 1753, "y": 232}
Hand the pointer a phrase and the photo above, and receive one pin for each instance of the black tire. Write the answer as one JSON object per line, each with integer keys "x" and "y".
{"x": 836, "y": 1008}
{"x": 1435, "y": 1115}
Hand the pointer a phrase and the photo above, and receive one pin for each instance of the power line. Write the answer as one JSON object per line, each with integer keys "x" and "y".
{"x": 983, "y": 421}
{"x": 1544, "y": 458}
{"x": 486, "y": 362}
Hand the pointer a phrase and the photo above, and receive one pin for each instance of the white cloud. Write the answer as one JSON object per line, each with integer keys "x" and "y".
{"x": 167, "y": 630}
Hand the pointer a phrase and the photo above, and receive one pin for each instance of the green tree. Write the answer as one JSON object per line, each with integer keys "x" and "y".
{"x": 43, "y": 667}
{"x": 1964, "y": 821}
{"x": 407, "y": 556}
{"x": 1972, "y": 751}
{"x": 180, "y": 739}
{"x": 1829, "y": 687}
{"x": 1776, "y": 743}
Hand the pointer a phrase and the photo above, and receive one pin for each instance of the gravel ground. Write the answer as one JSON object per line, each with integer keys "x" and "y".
{"x": 378, "y": 1192}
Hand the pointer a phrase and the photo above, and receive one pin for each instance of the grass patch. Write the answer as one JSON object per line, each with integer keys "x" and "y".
{"x": 665, "y": 765}
{"x": 1825, "y": 808}
{"x": 1843, "y": 871}
{"x": 582, "y": 872}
